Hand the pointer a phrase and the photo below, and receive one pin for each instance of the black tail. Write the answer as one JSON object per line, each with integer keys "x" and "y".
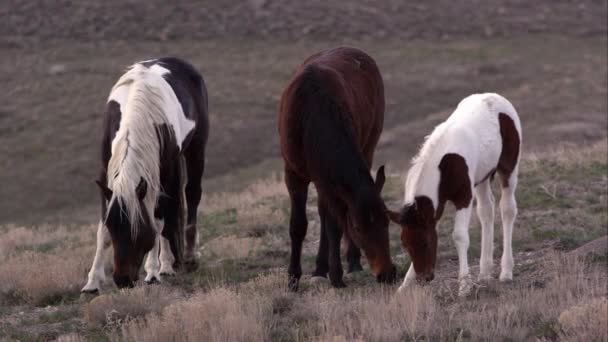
{"x": 329, "y": 142}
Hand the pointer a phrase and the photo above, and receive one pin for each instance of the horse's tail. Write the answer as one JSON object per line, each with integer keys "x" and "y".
{"x": 328, "y": 137}
{"x": 180, "y": 232}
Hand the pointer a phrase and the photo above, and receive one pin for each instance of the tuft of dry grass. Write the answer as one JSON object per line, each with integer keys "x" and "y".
{"x": 125, "y": 305}
{"x": 568, "y": 155}
{"x": 44, "y": 264}
{"x": 585, "y": 322}
{"x": 254, "y": 194}
{"x": 221, "y": 314}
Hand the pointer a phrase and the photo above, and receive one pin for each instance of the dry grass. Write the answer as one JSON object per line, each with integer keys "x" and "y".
{"x": 115, "y": 309}
{"x": 44, "y": 264}
{"x": 555, "y": 295}
{"x": 253, "y": 194}
{"x": 221, "y": 314}
{"x": 568, "y": 155}
{"x": 261, "y": 310}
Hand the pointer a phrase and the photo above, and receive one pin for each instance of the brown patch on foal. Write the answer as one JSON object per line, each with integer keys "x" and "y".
{"x": 510, "y": 148}
{"x": 454, "y": 184}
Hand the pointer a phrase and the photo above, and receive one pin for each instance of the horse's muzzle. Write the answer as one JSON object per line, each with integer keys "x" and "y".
{"x": 123, "y": 281}
{"x": 389, "y": 277}
{"x": 425, "y": 278}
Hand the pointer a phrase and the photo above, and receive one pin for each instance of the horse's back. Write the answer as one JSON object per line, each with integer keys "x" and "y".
{"x": 352, "y": 80}
{"x": 483, "y": 125}
{"x": 484, "y": 109}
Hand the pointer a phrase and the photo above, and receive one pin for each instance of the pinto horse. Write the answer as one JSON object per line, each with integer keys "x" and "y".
{"x": 482, "y": 137}
{"x": 153, "y": 158}
{"x": 330, "y": 120}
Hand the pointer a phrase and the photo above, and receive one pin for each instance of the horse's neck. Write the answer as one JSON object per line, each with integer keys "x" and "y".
{"x": 423, "y": 180}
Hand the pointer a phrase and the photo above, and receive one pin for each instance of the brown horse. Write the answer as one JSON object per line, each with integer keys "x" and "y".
{"x": 330, "y": 120}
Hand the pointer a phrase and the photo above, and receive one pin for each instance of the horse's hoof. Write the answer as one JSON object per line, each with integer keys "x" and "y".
{"x": 152, "y": 280}
{"x": 89, "y": 292}
{"x": 506, "y": 276}
{"x": 190, "y": 265}
{"x": 167, "y": 273}
{"x": 465, "y": 286}
{"x": 339, "y": 284}
{"x": 484, "y": 277}
{"x": 315, "y": 280}
{"x": 293, "y": 285}
{"x": 355, "y": 268}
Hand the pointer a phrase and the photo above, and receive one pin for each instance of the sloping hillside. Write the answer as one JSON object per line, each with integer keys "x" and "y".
{"x": 60, "y": 58}
{"x": 239, "y": 292}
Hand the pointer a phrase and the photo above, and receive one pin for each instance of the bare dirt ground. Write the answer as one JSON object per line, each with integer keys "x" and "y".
{"x": 60, "y": 58}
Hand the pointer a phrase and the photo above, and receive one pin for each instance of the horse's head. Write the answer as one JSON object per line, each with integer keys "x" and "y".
{"x": 129, "y": 250}
{"x": 368, "y": 228}
{"x": 418, "y": 236}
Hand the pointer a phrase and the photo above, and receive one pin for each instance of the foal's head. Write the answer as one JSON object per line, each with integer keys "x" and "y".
{"x": 418, "y": 235}
{"x": 368, "y": 227}
{"x": 129, "y": 250}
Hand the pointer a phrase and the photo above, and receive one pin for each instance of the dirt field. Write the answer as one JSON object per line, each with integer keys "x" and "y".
{"x": 60, "y": 58}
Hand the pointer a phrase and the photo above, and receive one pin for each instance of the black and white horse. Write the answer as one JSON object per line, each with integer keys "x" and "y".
{"x": 153, "y": 158}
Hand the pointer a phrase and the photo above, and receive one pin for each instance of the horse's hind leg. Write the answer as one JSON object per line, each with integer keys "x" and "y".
{"x": 97, "y": 273}
{"x": 334, "y": 237}
{"x": 353, "y": 256}
{"x": 508, "y": 212}
{"x": 322, "y": 261}
{"x": 461, "y": 240}
{"x": 298, "y": 224}
{"x": 485, "y": 212}
{"x": 194, "y": 190}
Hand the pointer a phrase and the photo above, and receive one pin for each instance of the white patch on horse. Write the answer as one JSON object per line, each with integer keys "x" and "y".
{"x": 146, "y": 100}
{"x": 174, "y": 111}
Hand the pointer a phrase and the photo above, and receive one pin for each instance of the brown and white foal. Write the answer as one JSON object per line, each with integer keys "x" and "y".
{"x": 460, "y": 157}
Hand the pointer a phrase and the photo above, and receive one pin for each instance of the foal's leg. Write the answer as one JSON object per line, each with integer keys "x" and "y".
{"x": 508, "y": 212}
{"x": 322, "y": 263}
{"x": 485, "y": 212}
{"x": 353, "y": 256}
{"x": 409, "y": 278}
{"x": 97, "y": 273}
{"x": 461, "y": 240}
{"x": 298, "y": 224}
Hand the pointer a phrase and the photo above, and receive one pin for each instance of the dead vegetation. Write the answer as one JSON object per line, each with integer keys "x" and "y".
{"x": 239, "y": 292}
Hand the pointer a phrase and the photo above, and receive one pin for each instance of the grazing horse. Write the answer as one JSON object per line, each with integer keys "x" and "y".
{"x": 330, "y": 120}
{"x": 482, "y": 137}
{"x": 153, "y": 158}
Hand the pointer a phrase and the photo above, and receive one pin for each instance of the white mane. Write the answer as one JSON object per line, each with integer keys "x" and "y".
{"x": 419, "y": 161}
{"x": 136, "y": 147}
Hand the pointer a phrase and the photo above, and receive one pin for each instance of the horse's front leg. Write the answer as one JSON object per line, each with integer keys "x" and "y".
{"x": 152, "y": 265}
{"x": 461, "y": 240}
{"x": 97, "y": 274}
{"x": 409, "y": 278}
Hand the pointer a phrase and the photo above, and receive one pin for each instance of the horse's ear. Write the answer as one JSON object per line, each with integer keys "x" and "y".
{"x": 141, "y": 189}
{"x": 107, "y": 193}
{"x": 380, "y": 179}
